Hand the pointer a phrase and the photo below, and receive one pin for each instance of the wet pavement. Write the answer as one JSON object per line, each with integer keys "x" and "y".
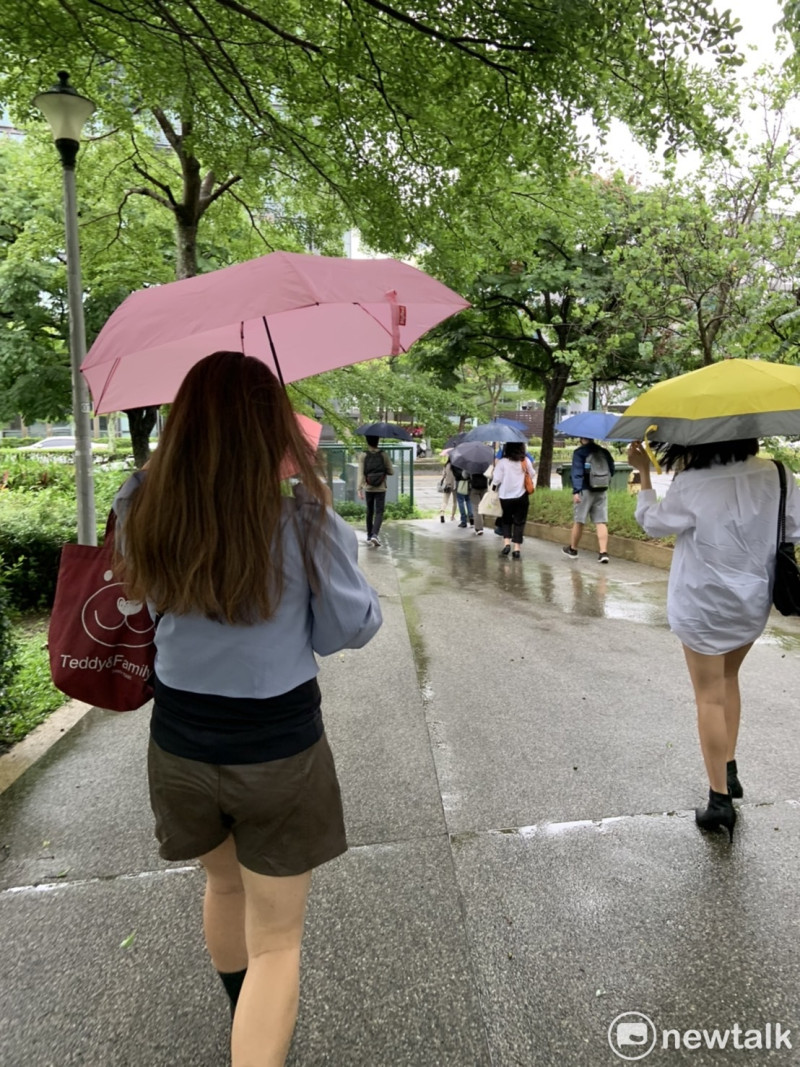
{"x": 519, "y": 766}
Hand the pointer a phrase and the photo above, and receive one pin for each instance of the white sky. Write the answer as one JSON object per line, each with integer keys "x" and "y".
{"x": 756, "y": 41}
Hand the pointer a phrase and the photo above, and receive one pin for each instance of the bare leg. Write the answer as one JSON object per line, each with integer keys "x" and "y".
{"x": 223, "y": 909}
{"x": 575, "y": 535}
{"x": 708, "y": 680}
{"x": 267, "y": 1009}
{"x": 733, "y": 703}
{"x": 602, "y": 536}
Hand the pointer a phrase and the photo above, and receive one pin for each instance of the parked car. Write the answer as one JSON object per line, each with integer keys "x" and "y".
{"x": 59, "y": 444}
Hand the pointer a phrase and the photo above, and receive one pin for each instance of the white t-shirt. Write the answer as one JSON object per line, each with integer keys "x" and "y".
{"x": 726, "y": 520}
{"x": 509, "y": 477}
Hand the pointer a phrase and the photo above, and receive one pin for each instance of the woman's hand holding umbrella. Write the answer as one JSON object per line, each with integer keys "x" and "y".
{"x": 639, "y": 459}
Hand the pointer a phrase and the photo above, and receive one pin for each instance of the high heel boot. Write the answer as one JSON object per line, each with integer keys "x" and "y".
{"x": 734, "y": 785}
{"x": 719, "y": 815}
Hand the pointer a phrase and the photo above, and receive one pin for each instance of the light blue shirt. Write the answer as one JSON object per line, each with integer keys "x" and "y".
{"x": 268, "y": 658}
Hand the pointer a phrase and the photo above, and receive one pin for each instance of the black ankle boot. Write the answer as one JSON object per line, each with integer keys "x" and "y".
{"x": 719, "y": 815}
{"x": 734, "y": 785}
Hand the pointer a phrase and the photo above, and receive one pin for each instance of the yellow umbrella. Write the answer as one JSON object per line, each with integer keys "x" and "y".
{"x": 726, "y": 401}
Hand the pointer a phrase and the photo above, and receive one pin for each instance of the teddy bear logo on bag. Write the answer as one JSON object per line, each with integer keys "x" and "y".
{"x": 108, "y": 611}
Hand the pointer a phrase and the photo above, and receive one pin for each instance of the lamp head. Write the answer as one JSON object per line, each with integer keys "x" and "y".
{"x": 65, "y": 110}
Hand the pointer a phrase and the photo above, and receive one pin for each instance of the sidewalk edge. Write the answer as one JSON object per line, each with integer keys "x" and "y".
{"x": 39, "y": 741}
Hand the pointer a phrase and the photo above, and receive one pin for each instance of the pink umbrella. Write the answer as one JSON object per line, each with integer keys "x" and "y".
{"x": 300, "y": 314}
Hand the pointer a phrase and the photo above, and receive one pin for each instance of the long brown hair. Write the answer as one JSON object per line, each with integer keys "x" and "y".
{"x": 202, "y": 532}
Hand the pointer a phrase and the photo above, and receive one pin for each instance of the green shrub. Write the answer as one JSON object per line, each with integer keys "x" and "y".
{"x": 8, "y": 653}
{"x": 402, "y": 509}
{"x": 32, "y": 694}
{"x": 350, "y": 509}
{"x": 554, "y": 506}
{"x": 33, "y": 527}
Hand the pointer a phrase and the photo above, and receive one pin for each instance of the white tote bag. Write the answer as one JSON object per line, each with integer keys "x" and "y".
{"x": 490, "y": 504}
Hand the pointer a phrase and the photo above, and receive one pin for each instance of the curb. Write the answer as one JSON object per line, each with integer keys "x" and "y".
{"x": 659, "y": 556}
{"x": 39, "y": 741}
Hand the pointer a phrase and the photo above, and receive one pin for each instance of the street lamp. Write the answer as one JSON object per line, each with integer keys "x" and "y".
{"x": 67, "y": 111}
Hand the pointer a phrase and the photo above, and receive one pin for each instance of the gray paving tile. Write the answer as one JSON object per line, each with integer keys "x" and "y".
{"x": 387, "y": 975}
{"x": 638, "y": 914}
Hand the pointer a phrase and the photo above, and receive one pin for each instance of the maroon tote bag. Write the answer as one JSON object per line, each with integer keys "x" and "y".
{"x": 101, "y": 644}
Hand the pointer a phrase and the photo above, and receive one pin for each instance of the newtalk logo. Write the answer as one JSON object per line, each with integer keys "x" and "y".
{"x": 632, "y": 1036}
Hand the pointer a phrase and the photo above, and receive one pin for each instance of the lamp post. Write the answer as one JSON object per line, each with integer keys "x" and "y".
{"x": 67, "y": 111}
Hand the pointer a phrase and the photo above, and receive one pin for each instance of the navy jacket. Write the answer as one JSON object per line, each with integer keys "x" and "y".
{"x": 579, "y": 457}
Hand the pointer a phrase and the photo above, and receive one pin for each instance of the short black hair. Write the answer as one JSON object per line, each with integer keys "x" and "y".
{"x": 373, "y": 441}
{"x": 514, "y": 450}
{"x": 699, "y": 457}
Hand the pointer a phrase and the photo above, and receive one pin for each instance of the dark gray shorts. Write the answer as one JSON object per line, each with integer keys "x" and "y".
{"x": 285, "y": 815}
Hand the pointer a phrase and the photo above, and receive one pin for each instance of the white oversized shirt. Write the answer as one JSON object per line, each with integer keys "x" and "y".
{"x": 509, "y": 477}
{"x": 726, "y": 521}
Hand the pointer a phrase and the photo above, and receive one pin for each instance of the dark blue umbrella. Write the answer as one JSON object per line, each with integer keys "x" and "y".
{"x": 472, "y": 456}
{"x": 512, "y": 422}
{"x": 385, "y": 429}
{"x": 594, "y": 424}
{"x": 456, "y": 439}
{"x": 495, "y": 431}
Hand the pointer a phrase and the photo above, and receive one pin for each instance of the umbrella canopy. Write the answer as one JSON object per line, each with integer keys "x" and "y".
{"x": 385, "y": 429}
{"x": 512, "y": 422}
{"x": 472, "y": 456}
{"x": 300, "y": 314}
{"x": 726, "y": 401}
{"x": 495, "y": 431}
{"x": 594, "y": 424}
{"x": 456, "y": 439}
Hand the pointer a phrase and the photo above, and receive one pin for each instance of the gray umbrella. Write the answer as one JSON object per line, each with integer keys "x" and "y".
{"x": 496, "y": 431}
{"x": 472, "y": 456}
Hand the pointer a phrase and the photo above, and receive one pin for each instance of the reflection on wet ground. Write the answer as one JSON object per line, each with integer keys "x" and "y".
{"x": 428, "y": 561}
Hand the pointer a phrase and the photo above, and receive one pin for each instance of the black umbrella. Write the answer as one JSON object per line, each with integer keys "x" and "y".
{"x": 472, "y": 456}
{"x": 385, "y": 429}
{"x": 496, "y": 431}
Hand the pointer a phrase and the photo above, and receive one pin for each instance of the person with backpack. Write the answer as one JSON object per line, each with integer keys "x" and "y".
{"x": 592, "y": 470}
{"x": 478, "y": 484}
{"x": 374, "y": 466}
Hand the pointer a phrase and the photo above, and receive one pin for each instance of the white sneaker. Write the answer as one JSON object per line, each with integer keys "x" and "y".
{"x": 375, "y": 542}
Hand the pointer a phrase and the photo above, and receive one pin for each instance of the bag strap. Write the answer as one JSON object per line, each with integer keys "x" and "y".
{"x": 111, "y": 525}
{"x": 782, "y": 507}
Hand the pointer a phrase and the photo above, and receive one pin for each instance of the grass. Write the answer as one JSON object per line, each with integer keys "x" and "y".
{"x": 554, "y": 506}
{"x": 32, "y": 691}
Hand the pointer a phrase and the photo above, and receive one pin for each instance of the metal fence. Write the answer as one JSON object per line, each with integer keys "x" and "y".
{"x": 341, "y": 471}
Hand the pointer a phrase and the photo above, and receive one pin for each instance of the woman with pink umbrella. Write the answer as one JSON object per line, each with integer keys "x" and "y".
{"x": 249, "y": 584}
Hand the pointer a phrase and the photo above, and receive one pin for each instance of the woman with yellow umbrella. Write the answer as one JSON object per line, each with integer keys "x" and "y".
{"x": 723, "y": 508}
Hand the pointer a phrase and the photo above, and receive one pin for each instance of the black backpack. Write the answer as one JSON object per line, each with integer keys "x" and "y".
{"x": 479, "y": 482}
{"x": 374, "y": 469}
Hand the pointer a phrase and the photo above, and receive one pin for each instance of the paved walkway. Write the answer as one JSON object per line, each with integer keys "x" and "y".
{"x": 519, "y": 766}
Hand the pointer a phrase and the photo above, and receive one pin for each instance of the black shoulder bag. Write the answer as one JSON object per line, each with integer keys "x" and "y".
{"x": 786, "y": 588}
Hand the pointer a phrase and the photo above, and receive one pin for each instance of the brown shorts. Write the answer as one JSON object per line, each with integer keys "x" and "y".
{"x": 285, "y": 815}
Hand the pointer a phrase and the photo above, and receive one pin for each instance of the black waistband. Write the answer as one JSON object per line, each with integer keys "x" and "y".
{"x": 228, "y": 730}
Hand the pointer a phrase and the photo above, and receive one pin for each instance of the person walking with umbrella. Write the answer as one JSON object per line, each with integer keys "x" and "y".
{"x": 250, "y": 584}
{"x": 513, "y": 479}
{"x": 722, "y": 506}
{"x": 591, "y": 474}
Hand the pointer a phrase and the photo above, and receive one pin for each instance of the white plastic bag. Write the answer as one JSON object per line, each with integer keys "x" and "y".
{"x": 490, "y": 504}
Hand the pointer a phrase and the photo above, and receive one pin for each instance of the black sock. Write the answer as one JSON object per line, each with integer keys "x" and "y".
{"x": 232, "y": 980}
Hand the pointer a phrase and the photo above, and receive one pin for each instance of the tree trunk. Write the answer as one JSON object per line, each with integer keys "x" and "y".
{"x": 142, "y": 421}
{"x": 554, "y": 390}
{"x": 186, "y": 236}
